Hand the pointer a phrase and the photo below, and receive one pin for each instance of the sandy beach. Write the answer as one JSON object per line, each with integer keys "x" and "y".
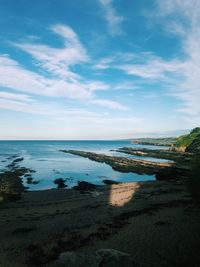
{"x": 155, "y": 222}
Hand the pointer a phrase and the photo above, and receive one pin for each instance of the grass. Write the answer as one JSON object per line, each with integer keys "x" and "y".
{"x": 186, "y": 140}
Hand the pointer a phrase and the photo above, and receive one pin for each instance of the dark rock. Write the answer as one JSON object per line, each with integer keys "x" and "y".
{"x": 35, "y": 182}
{"x": 23, "y": 230}
{"x": 102, "y": 258}
{"x": 60, "y": 182}
{"x": 11, "y": 186}
{"x": 123, "y": 164}
{"x": 194, "y": 147}
{"x": 29, "y": 180}
{"x": 110, "y": 182}
{"x": 172, "y": 173}
{"x": 85, "y": 186}
{"x": 18, "y": 160}
{"x": 114, "y": 258}
{"x": 78, "y": 259}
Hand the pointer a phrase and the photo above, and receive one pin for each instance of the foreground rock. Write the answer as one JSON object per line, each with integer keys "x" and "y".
{"x": 84, "y": 186}
{"x": 102, "y": 258}
{"x": 60, "y": 182}
{"x": 11, "y": 185}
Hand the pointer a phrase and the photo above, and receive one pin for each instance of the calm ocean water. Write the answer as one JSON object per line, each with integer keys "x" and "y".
{"x": 49, "y": 163}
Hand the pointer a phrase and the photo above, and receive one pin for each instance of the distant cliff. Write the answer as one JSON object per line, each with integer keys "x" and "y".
{"x": 169, "y": 141}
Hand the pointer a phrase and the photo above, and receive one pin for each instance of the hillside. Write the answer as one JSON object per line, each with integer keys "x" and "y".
{"x": 189, "y": 141}
{"x": 194, "y": 146}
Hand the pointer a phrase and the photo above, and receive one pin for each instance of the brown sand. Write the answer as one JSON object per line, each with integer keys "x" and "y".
{"x": 156, "y": 222}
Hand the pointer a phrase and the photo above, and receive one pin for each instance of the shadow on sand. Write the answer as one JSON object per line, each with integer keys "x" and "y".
{"x": 155, "y": 222}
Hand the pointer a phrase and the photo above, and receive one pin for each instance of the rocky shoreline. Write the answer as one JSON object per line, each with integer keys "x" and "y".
{"x": 140, "y": 224}
{"x": 176, "y": 169}
{"x": 182, "y": 157}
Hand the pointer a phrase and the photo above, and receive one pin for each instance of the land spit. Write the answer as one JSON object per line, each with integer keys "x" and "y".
{"x": 176, "y": 168}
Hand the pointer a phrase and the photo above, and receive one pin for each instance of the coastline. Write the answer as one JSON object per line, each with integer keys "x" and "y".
{"x": 155, "y": 222}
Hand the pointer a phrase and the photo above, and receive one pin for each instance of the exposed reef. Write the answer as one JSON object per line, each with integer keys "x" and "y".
{"x": 157, "y": 153}
{"x": 138, "y": 166}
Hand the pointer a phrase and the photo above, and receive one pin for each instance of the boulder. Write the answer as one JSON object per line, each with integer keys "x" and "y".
{"x": 110, "y": 182}
{"x": 78, "y": 259}
{"x": 85, "y": 186}
{"x": 102, "y": 258}
{"x": 60, "y": 183}
{"x": 114, "y": 258}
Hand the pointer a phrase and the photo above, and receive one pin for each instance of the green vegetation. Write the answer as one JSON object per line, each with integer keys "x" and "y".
{"x": 186, "y": 140}
{"x": 11, "y": 186}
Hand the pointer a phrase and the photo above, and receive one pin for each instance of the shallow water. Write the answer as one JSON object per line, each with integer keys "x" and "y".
{"x": 49, "y": 163}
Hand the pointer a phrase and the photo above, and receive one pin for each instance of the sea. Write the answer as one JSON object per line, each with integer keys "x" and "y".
{"x": 49, "y": 163}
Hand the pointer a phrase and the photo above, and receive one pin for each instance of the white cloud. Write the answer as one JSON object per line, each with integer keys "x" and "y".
{"x": 55, "y": 79}
{"x": 181, "y": 74}
{"x": 78, "y": 121}
{"x": 187, "y": 27}
{"x": 15, "y": 97}
{"x": 111, "y": 61}
{"x": 113, "y": 19}
{"x": 109, "y": 103}
{"x": 58, "y": 60}
{"x": 153, "y": 68}
{"x": 15, "y": 76}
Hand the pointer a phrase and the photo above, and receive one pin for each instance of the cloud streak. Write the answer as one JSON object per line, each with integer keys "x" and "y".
{"x": 55, "y": 77}
{"x": 80, "y": 120}
{"x": 188, "y": 29}
{"x": 114, "y": 20}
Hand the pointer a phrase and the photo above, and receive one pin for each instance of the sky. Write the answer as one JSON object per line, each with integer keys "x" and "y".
{"x": 98, "y": 69}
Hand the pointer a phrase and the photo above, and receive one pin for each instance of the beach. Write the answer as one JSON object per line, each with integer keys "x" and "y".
{"x": 155, "y": 222}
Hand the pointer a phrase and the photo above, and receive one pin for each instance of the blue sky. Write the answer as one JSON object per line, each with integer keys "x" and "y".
{"x": 98, "y": 69}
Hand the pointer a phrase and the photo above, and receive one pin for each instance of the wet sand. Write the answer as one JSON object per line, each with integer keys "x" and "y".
{"x": 156, "y": 222}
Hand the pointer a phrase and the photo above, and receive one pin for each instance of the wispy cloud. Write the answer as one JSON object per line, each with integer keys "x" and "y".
{"x": 145, "y": 65}
{"x": 80, "y": 120}
{"x": 187, "y": 88}
{"x": 109, "y": 103}
{"x": 178, "y": 75}
{"x": 55, "y": 77}
{"x": 112, "y": 60}
{"x": 15, "y": 97}
{"x": 154, "y": 68}
{"x": 113, "y": 19}
{"x": 58, "y": 60}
